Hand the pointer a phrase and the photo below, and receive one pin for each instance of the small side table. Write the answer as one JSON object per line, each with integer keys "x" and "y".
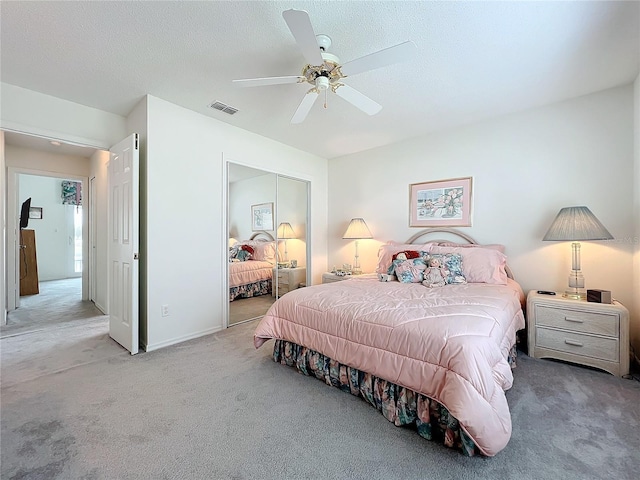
{"x": 586, "y": 333}
{"x": 289, "y": 279}
{"x": 329, "y": 277}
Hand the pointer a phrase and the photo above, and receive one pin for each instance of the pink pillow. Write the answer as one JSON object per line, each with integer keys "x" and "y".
{"x": 479, "y": 264}
{"x": 492, "y": 246}
{"x": 388, "y": 250}
{"x": 264, "y": 251}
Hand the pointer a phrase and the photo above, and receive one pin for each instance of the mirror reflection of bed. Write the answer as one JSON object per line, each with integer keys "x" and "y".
{"x": 251, "y": 286}
{"x": 254, "y": 279}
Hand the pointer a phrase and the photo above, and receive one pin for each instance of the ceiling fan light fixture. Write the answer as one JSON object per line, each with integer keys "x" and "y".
{"x": 322, "y": 83}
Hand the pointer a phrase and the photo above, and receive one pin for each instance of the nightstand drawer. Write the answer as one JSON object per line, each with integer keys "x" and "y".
{"x": 283, "y": 278}
{"x": 578, "y": 321}
{"x": 578, "y": 344}
{"x": 329, "y": 277}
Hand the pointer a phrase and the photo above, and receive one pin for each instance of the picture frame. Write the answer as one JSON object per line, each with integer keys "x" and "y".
{"x": 441, "y": 203}
{"x": 262, "y": 216}
{"x": 35, "y": 212}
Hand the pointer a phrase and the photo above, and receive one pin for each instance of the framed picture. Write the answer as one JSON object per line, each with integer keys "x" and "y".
{"x": 35, "y": 212}
{"x": 262, "y": 217}
{"x": 442, "y": 203}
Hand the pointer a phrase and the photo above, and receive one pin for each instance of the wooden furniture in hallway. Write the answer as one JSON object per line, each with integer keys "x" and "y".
{"x": 28, "y": 263}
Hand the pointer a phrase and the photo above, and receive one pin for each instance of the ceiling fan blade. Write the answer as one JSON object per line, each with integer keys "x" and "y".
{"x": 399, "y": 53}
{"x": 305, "y": 107}
{"x": 259, "y": 82}
{"x": 358, "y": 100}
{"x": 300, "y": 25}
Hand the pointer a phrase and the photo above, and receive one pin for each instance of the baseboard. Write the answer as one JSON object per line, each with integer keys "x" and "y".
{"x": 173, "y": 341}
{"x": 101, "y": 308}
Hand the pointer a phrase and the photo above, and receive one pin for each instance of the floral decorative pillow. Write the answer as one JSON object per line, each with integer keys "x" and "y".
{"x": 481, "y": 265}
{"x": 452, "y": 265}
{"x": 243, "y": 255}
{"x": 240, "y": 253}
{"x": 407, "y": 255}
{"x": 386, "y": 252}
{"x": 409, "y": 271}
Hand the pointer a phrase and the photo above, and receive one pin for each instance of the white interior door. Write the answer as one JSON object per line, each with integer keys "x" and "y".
{"x": 123, "y": 238}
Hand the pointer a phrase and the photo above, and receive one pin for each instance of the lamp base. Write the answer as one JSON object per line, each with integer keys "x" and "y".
{"x": 575, "y": 294}
{"x": 356, "y": 271}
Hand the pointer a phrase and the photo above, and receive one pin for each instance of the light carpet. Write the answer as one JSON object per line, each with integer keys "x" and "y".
{"x": 216, "y": 408}
{"x": 59, "y": 303}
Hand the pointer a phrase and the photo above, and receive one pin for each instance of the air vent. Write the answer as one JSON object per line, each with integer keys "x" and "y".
{"x": 223, "y": 107}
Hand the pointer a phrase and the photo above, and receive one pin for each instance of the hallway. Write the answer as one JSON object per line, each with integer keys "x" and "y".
{"x": 52, "y": 332}
{"x": 59, "y": 303}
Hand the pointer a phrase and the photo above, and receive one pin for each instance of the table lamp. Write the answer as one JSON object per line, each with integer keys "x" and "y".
{"x": 285, "y": 231}
{"x": 571, "y": 224}
{"x": 357, "y": 230}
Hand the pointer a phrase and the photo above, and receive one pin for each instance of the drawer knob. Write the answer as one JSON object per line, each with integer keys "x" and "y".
{"x": 574, "y": 320}
{"x": 573, "y": 342}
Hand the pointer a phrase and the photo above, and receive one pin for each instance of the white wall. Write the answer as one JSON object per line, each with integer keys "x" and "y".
{"x": 46, "y": 116}
{"x": 98, "y": 170}
{"x": 53, "y": 231}
{"x": 37, "y": 160}
{"x": 635, "y": 318}
{"x": 245, "y": 193}
{"x": 186, "y": 247}
{"x": 525, "y": 167}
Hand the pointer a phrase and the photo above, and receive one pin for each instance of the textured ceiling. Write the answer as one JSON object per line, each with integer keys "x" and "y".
{"x": 475, "y": 60}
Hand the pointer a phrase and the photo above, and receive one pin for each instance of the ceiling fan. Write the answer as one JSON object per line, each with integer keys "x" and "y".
{"x": 324, "y": 70}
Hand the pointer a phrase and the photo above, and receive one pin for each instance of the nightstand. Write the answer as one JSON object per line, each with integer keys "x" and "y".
{"x": 289, "y": 279}
{"x": 586, "y": 333}
{"x": 329, "y": 277}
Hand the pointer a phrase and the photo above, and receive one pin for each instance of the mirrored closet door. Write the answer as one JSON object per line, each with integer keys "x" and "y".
{"x": 267, "y": 230}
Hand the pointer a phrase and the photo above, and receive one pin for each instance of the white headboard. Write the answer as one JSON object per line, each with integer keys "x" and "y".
{"x": 257, "y": 236}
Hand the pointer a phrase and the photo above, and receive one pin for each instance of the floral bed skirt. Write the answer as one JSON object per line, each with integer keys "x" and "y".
{"x": 398, "y": 404}
{"x": 263, "y": 287}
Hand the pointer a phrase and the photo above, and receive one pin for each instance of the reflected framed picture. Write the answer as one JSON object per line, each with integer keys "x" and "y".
{"x": 262, "y": 216}
{"x": 35, "y": 212}
{"x": 440, "y": 203}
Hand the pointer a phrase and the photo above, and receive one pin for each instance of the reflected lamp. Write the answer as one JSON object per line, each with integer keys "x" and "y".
{"x": 573, "y": 224}
{"x": 285, "y": 232}
{"x": 357, "y": 230}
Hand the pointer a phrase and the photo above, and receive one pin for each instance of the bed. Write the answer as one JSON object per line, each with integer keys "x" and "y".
{"x": 439, "y": 359}
{"x": 251, "y": 264}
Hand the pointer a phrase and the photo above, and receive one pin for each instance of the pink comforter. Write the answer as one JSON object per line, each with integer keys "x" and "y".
{"x": 450, "y": 343}
{"x": 251, "y": 271}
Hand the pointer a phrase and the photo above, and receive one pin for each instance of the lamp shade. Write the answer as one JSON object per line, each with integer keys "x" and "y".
{"x": 285, "y": 231}
{"x": 357, "y": 229}
{"x": 575, "y": 224}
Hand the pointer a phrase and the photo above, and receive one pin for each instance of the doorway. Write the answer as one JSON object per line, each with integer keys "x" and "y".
{"x": 54, "y": 178}
{"x": 50, "y": 257}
